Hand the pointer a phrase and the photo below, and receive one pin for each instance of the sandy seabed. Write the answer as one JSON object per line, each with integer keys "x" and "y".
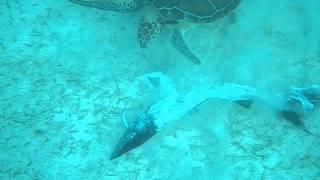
{"x": 65, "y": 71}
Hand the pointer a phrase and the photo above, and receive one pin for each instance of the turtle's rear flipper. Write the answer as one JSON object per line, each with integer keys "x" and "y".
{"x": 135, "y": 135}
{"x": 112, "y": 5}
{"x": 182, "y": 47}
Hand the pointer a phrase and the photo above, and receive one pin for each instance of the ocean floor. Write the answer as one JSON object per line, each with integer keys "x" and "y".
{"x": 66, "y": 71}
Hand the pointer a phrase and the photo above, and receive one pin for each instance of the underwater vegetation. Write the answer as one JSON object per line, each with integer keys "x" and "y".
{"x": 159, "y": 89}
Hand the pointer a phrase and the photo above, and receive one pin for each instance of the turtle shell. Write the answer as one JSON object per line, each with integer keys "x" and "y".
{"x": 194, "y": 11}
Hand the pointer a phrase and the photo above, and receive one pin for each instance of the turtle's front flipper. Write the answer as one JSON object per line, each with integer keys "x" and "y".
{"x": 135, "y": 135}
{"x": 112, "y": 5}
{"x": 182, "y": 47}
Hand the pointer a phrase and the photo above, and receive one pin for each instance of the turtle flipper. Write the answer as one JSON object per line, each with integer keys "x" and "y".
{"x": 148, "y": 32}
{"x": 112, "y": 5}
{"x": 182, "y": 47}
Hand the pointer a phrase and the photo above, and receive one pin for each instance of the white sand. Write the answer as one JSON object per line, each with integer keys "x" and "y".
{"x": 65, "y": 71}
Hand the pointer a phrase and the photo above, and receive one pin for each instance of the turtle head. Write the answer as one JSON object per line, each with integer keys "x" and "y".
{"x": 148, "y": 32}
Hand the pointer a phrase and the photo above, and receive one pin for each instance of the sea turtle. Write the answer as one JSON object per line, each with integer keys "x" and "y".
{"x": 158, "y": 13}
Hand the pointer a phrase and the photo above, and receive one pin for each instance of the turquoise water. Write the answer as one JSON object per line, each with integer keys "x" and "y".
{"x": 70, "y": 75}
